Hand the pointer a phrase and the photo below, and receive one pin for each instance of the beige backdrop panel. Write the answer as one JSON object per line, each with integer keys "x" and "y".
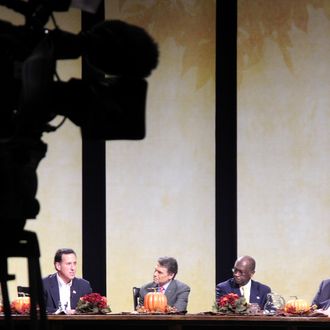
{"x": 59, "y": 178}
{"x": 284, "y": 142}
{"x": 160, "y": 191}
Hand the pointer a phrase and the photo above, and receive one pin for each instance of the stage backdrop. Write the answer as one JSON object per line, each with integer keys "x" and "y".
{"x": 160, "y": 191}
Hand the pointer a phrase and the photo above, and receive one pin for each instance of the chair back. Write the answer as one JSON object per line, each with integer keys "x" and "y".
{"x": 136, "y": 292}
{"x": 23, "y": 291}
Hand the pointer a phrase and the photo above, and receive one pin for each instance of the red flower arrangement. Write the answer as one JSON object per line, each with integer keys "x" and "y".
{"x": 231, "y": 303}
{"x": 93, "y": 303}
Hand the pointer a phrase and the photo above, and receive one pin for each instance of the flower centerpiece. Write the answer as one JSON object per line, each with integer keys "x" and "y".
{"x": 93, "y": 303}
{"x": 21, "y": 305}
{"x": 231, "y": 303}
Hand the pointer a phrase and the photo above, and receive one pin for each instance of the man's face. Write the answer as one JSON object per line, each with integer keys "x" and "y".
{"x": 161, "y": 275}
{"x": 67, "y": 267}
{"x": 242, "y": 273}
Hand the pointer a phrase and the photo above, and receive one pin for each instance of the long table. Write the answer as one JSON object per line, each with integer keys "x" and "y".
{"x": 172, "y": 322}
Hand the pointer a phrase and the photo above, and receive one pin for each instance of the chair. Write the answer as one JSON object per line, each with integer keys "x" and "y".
{"x": 23, "y": 291}
{"x": 136, "y": 292}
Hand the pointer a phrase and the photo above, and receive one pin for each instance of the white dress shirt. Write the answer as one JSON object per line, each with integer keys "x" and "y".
{"x": 165, "y": 286}
{"x": 65, "y": 293}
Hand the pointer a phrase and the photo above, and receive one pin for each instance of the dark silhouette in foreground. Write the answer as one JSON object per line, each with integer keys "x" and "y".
{"x": 108, "y": 105}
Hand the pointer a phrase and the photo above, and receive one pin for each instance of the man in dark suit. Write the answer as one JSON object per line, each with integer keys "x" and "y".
{"x": 63, "y": 289}
{"x": 164, "y": 281}
{"x": 322, "y": 297}
{"x": 242, "y": 284}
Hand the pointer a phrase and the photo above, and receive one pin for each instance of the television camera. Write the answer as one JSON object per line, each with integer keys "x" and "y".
{"x": 108, "y": 104}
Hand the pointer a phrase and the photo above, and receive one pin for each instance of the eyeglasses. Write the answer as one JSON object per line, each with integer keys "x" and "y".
{"x": 235, "y": 270}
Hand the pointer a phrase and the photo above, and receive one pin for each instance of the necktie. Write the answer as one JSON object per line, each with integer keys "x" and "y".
{"x": 244, "y": 293}
{"x": 161, "y": 289}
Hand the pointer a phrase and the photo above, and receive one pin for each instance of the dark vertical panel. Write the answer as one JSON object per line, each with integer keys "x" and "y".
{"x": 226, "y": 140}
{"x": 93, "y": 194}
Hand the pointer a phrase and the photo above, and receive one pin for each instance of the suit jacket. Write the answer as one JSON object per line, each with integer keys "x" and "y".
{"x": 79, "y": 288}
{"x": 322, "y": 297}
{"x": 176, "y": 293}
{"x": 258, "y": 293}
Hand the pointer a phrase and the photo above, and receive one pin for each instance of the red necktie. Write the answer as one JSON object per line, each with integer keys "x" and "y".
{"x": 161, "y": 289}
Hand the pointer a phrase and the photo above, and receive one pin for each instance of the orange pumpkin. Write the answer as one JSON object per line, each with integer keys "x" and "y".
{"x": 297, "y": 306}
{"x": 21, "y": 305}
{"x": 155, "y": 302}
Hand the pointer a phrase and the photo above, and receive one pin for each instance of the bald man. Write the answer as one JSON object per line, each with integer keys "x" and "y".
{"x": 242, "y": 284}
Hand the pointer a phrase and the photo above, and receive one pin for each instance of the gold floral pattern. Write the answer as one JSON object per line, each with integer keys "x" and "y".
{"x": 259, "y": 20}
{"x": 190, "y": 23}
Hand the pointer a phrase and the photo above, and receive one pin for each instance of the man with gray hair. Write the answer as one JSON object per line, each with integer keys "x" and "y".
{"x": 164, "y": 281}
